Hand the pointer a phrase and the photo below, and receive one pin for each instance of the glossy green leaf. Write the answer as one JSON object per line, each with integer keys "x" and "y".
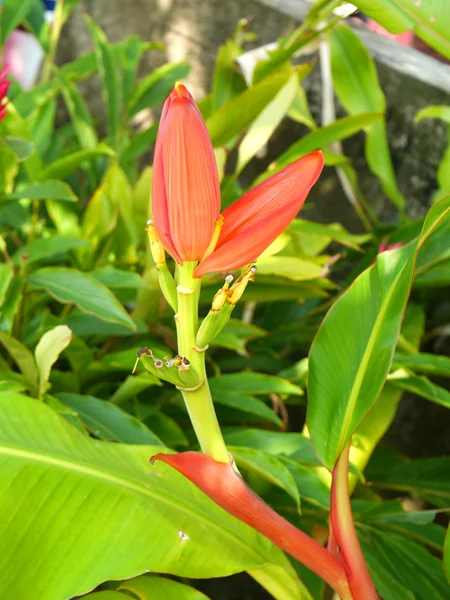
{"x": 353, "y": 349}
{"x": 239, "y": 112}
{"x": 434, "y": 112}
{"x": 23, "y": 149}
{"x": 104, "y": 496}
{"x": 108, "y": 71}
{"x": 63, "y": 167}
{"x": 253, "y": 383}
{"x": 85, "y": 325}
{"x": 265, "y": 124}
{"x": 100, "y": 217}
{"x": 356, "y": 84}
{"x": 21, "y": 355}
{"x": 154, "y": 88}
{"x": 432, "y": 364}
{"x": 118, "y": 278}
{"x": 268, "y": 467}
{"x": 150, "y": 587}
{"x": 70, "y": 286}
{"x": 45, "y": 248}
{"x": 273, "y": 442}
{"x": 429, "y": 20}
{"x": 109, "y": 422}
{"x": 12, "y": 15}
{"x": 47, "y": 352}
{"x": 310, "y": 483}
{"x": 45, "y": 190}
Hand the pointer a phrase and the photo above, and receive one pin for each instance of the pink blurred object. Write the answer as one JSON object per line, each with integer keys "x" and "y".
{"x": 4, "y": 85}
{"x": 406, "y": 38}
{"x": 385, "y": 246}
{"x": 23, "y": 54}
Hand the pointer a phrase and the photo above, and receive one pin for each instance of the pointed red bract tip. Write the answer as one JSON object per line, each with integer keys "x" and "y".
{"x": 226, "y": 488}
{"x": 252, "y": 223}
{"x": 185, "y": 183}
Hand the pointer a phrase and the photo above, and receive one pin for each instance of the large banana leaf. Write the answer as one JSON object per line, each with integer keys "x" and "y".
{"x": 76, "y": 512}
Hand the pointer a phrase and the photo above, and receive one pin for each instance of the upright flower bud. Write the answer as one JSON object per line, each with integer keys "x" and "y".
{"x": 185, "y": 188}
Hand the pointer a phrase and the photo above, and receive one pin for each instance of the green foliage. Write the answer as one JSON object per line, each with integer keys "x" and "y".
{"x": 79, "y": 296}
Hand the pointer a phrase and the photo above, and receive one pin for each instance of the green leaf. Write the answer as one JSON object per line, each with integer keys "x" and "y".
{"x": 422, "y": 386}
{"x": 319, "y": 138}
{"x": 429, "y": 20}
{"x": 265, "y": 124}
{"x": 150, "y": 587}
{"x": 239, "y": 112}
{"x": 419, "y": 573}
{"x": 447, "y": 554}
{"x": 141, "y": 143}
{"x": 108, "y": 70}
{"x": 432, "y": 364}
{"x": 23, "y": 149}
{"x": 334, "y": 231}
{"x": 253, "y": 383}
{"x": 47, "y": 352}
{"x": 12, "y": 15}
{"x": 70, "y": 286}
{"x": 22, "y": 357}
{"x": 434, "y": 112}
{"x": 228, "y": 81}
{"x": 45, "y": 190}
{"x": 267, "y": 467}
{"x": 356, "y": 83}
{"x": 79, "y": 113}
{"x": 118, "y": 278}
{"x": 100, "y": 217}
{"x": 11, "y": 381}
{"x": 353, "y": 349}
{"x": 44, "y": 248}
{"x": 11, "y": 304}
{"x": 6, "y": 276}
{"x": 63, "y": 167}
{"x": 109, "y": 422}
{"x": 133, "y": 385}
{"x": 154, "y": 88}
{"x": 247, "y": 404}
{"x": 290, "y": 267}
{"x": 309, "y": 482}
{"x": 426, "y": 477}
{"x": 107, "y": 595}
{"x": 104, "y": 495}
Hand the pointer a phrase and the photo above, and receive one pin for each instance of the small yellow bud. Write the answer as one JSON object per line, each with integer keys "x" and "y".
{"x": 221, "y": 297}
{"x": 240, "y": 284}
{"x": 159, "y": 256}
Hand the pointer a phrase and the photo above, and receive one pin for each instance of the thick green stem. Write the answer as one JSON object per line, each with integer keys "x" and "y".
{"x": 198, "y": 400}
{"x": 360, "y": 582}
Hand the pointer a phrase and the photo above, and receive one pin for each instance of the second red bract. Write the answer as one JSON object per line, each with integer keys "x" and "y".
{"x": 186, "y": 195}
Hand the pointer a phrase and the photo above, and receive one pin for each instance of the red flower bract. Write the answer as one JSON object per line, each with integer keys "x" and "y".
{"x": 186, "y": 195}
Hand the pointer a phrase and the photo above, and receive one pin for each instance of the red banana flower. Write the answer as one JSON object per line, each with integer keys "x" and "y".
{"x": 4, "y": 85}
{"x": 186, "y": 196}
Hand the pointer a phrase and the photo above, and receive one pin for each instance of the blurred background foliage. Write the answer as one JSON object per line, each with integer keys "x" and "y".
{"x": 79, "y": 292}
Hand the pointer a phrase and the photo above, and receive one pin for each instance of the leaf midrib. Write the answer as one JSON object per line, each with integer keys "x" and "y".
{"x": 356, "y": 388}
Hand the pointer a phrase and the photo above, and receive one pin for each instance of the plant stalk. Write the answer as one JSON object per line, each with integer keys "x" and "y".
{"x": 198, "y": 401}
{"x": 359, "y": 579}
